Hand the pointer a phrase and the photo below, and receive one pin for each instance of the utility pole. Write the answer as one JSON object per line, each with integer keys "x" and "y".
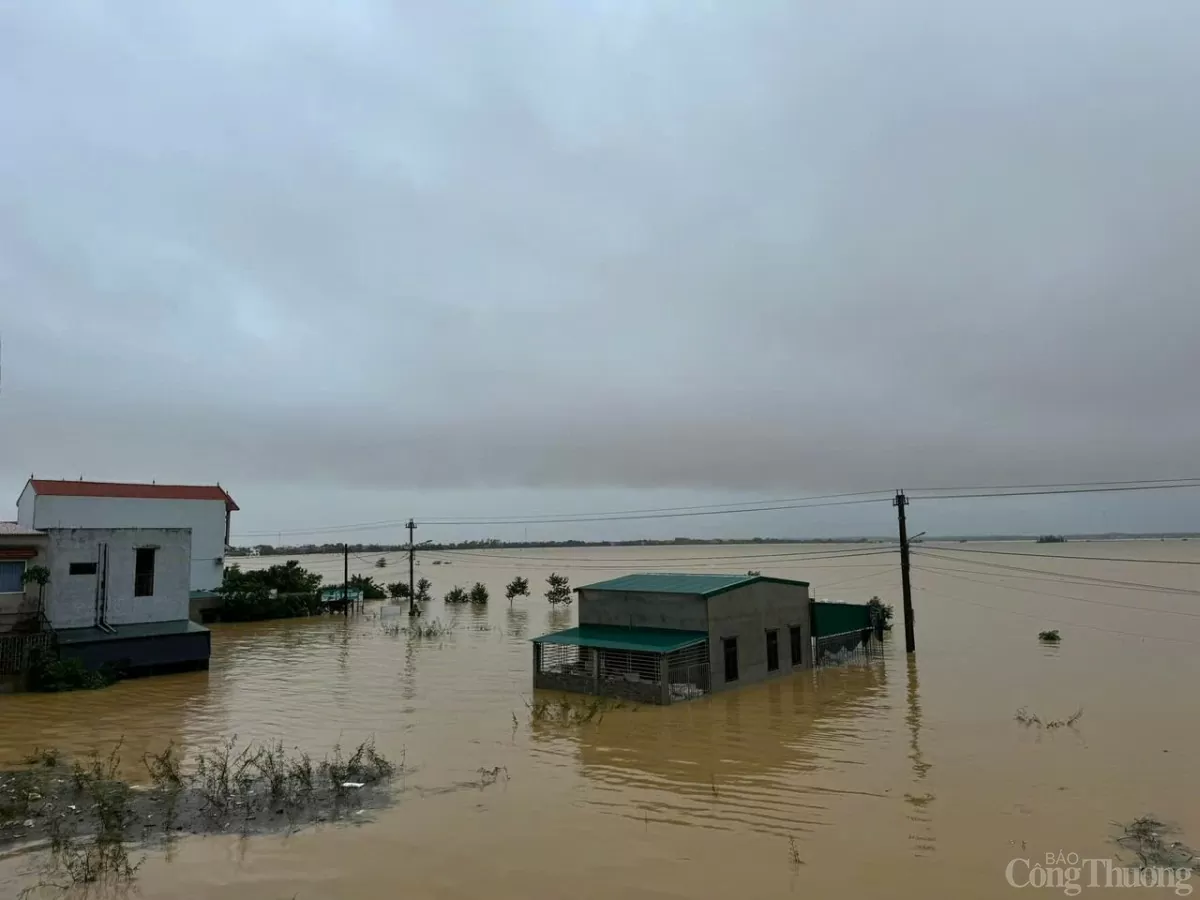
{"x": 346, "y": 579}
{"x": 910, "y": 640}
{"x": 412, "y": 556}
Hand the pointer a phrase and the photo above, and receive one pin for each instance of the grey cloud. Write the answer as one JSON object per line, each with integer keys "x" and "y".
{"x": 692, "y": 246}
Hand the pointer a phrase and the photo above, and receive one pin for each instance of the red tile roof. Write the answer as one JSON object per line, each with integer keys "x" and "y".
{"x": 132, "y": 491}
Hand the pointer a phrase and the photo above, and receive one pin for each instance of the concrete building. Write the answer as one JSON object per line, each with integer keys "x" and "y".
{"x": 114, "y": 596}
{"x": 659, "y": 638}
{"x": 20, "y": 547}
{"x": 203, "y": 509}
{"x": 120, "y": 596}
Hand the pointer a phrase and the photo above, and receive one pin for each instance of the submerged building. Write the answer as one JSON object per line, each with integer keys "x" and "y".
{"x": 660, "y": 638}
{"x": 118, "y": 566}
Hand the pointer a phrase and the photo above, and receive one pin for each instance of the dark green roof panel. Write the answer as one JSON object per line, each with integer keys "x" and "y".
{"x": 673, "y": 583}
{"x": 617, "y": 637}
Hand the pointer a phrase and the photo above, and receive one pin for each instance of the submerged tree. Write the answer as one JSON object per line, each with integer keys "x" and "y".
{"x": 40, "y": 576}
{"x": 423, "y": 587}
{"x": 558, "y": 588}
{"x": 479, "y": 593}
{"x": 455, "y": 595}
{"x": 370, "y": 588}
{"x": 518, "y": 587}
{"x": 399, "y": 589}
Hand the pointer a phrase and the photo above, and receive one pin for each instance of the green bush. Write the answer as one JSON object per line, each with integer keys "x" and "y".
{"x": 50, "y": 674}
{"x": 455, "y": 595}
{"x": 288, "y": 578}
{"x": 370, "y": 588}
{"x": 479, "y": 593}
{"x": 518, "y": 587}
{"x": 253, "y": 605}
{"x": 558, "y": 588}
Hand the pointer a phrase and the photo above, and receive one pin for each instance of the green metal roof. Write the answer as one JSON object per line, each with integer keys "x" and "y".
{"x": 616, "y": 637}
{"x": 671, "y": 583}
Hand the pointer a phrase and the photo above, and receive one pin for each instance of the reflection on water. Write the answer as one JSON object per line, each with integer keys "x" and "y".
{"x": 918, "y": 798}
{"x": 756, "y": 758}
{"x": 860, "y": 767}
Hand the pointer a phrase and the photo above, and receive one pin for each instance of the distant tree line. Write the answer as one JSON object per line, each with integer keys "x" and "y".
{"x": 496, "y": 544}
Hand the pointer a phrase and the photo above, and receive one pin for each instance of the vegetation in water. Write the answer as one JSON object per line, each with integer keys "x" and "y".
{"x": 418, "y": 629}
{"x": 381, "y": 563}
{"x": 518, "y": 587}
{"x": 424, "y": 585}
{"x": 399, "y": 590}
{"x": 1050, "y": 637}
{"x": 558, "y": 589}
{"x": 1028, "y": 719}
{"x": 91, "y": 816}
{"x": 49, "y": 673}
{"x": 881, "y": 613}
{"x": 754, "y": 573}
{"x": 567, "y": 711}
{"x": 1146, "y": 837}
{"x": 479, "y": 593}
{"x": 279, "y": 592}
{"x": 455, "y": 596}
{"x": 371, "y": 590}
{"x": 1051, "y": 539}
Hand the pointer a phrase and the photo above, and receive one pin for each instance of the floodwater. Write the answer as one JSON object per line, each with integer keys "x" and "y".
{"x": 906, "y": 777}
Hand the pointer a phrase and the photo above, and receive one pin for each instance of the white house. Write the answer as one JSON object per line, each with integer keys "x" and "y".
{"x": 115, "y": 596}
{"x": 204, "y": 509}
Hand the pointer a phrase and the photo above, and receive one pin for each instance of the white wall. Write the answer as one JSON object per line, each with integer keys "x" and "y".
{"x": 206, "y": 519}
{"x": 71, "y": 599}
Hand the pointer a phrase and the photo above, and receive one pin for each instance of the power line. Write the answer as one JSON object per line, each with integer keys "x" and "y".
{"x": 826, "y": 500}
{"x": 854, "y": 550}
{"x": 626, "y": 565}
{"x": 441, "y": 520}
{"x": 1124, "y": 559}
{"x": 1037, "y": 618}
{"x": 1067, "y": 484}
{"x": 566, "y": 518}
{"x": 1164, "y": 612}
{"x": 1068, "y": 577}
{"x": 1062, "y": 490}
{"x": 676, "y": 515}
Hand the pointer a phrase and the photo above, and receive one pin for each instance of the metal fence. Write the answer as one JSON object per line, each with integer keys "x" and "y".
{"x": 687, "y": 673}
{"x": 849, "y": 646}
{"x": 629, "y": 674}
{"x": 16, "y": 650}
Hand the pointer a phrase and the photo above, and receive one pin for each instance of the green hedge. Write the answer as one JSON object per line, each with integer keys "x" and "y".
{"x": 255, "y": 605}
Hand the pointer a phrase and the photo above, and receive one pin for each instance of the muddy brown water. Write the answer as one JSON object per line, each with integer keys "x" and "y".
{"x": 904, "y": 778}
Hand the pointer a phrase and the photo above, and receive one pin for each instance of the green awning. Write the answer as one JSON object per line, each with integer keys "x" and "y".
{"x": 615, "y": 637}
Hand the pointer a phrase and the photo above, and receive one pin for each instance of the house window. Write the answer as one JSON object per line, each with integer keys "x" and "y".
{"x": 731, "y": 662}
{"x": 772, "y": 651}
{"x": 797, "y": 635}
{"x": 87, "y": 568}
{"x": 143, "y": 572}
{"x": 10, "y": 577}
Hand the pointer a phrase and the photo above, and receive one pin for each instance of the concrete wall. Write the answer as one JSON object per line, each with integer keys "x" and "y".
{"x": 15, "y": 609}
{"x": 71, "y": 599}
{"x": 747, "y": 614}
{"x": 624, "y": 608}
{"x": 206, "y": 519}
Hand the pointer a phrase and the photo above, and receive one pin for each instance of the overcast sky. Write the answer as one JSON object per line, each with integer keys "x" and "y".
{"x": 364, "y": 260}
